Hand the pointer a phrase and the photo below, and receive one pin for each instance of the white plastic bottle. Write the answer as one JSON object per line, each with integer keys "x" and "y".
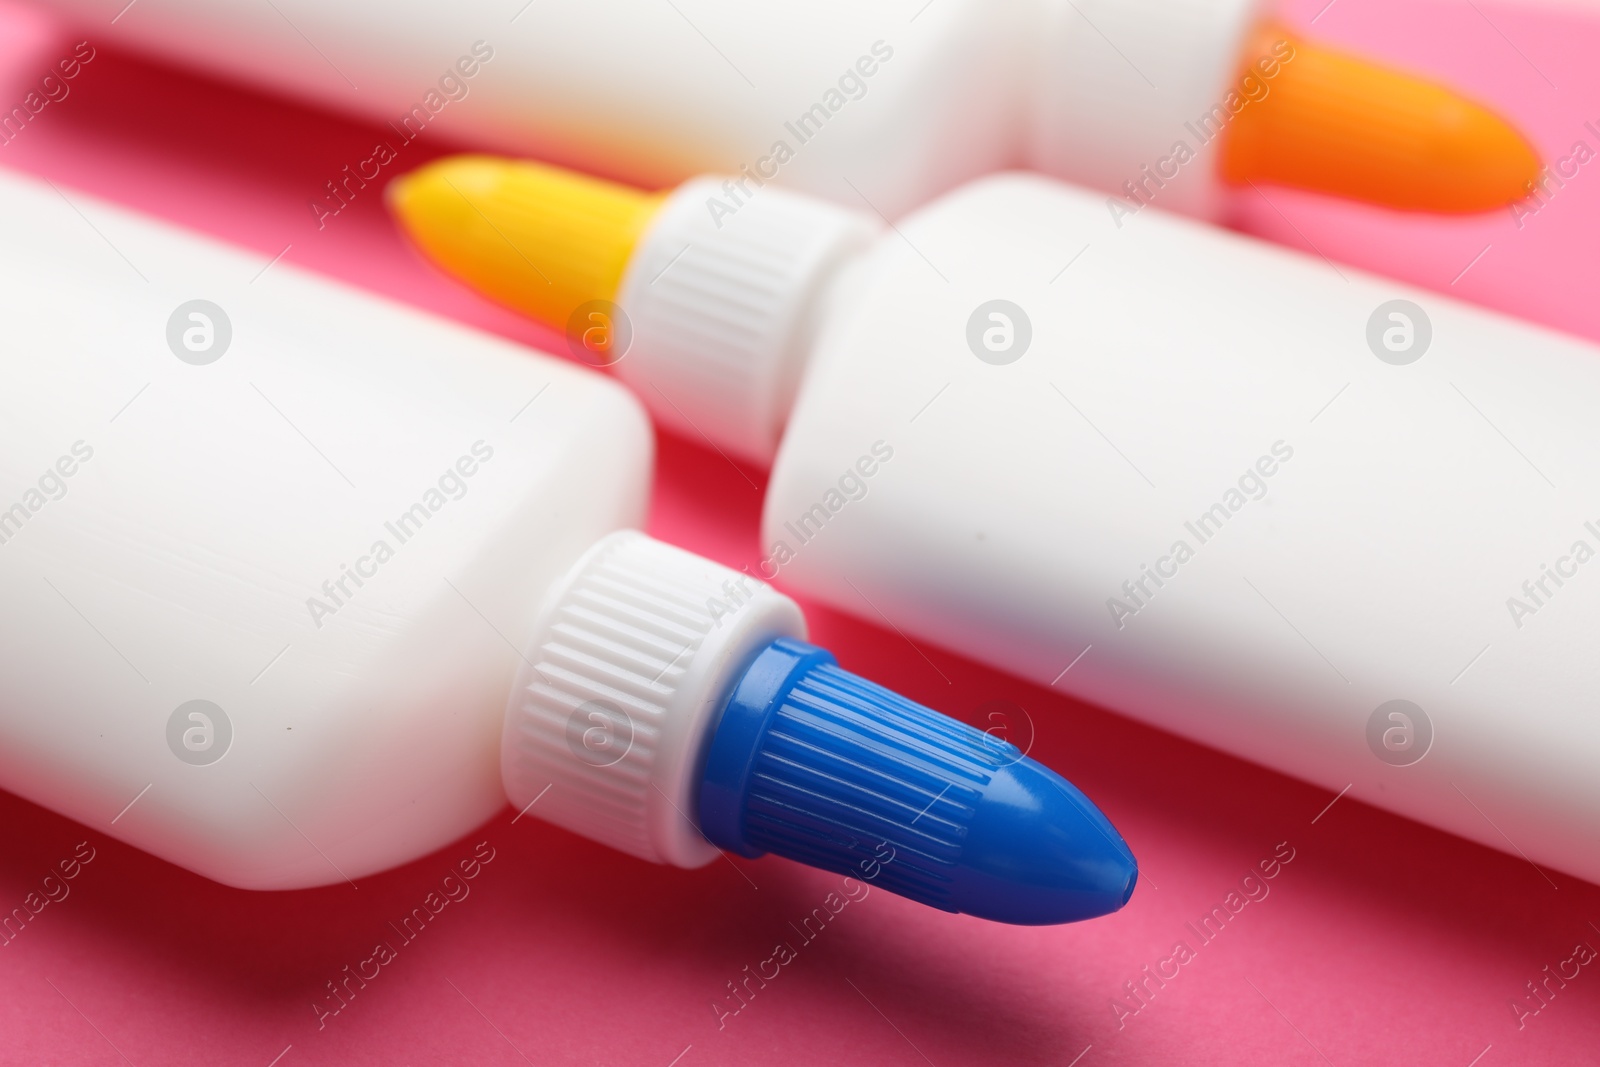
{"x": 1341, "y": 528}
{"x": 887, "y": 103}
{"x": 298, "y": 585}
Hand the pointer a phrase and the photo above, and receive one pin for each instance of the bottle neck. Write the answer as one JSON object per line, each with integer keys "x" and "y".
{"x": 669, "y": 707}
{"x": 634, "y": 653}
{"x": 723, "y": 298}
{"x": 1120, "y": 85}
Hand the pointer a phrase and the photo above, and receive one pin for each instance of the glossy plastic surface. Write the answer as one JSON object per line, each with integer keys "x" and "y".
{"x": 815, "y": 764}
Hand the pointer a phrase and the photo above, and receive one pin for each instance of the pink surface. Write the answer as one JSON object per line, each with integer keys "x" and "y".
{"x": 1380, "y": 942}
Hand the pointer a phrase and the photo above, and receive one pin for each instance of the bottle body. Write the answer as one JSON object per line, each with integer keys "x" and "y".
{"x": 324, "y": 518}
{"x": 888, "y": 104}
{"x": 1223, "y": 489}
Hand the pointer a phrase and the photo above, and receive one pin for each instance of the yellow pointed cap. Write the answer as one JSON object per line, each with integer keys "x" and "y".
{"x": 539, "y": 239}
{"x": 1336, "y": 124}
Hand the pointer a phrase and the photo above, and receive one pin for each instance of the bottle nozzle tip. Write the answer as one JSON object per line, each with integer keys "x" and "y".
{"x": 540, "y": 239}
{"x": 1038, "y": 852}
{"x": 816, "y": 764}
{"x": 1337, "y": 124}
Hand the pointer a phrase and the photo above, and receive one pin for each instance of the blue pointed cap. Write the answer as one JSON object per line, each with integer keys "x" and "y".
{"x": 813, "y": 763}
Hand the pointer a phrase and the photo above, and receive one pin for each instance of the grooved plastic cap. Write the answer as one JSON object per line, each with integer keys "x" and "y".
{"x": 720, "y": 298}
{"x": 702, "y": 301}
{"x": 633, "y": 658}
{"x": 816, "y": 764}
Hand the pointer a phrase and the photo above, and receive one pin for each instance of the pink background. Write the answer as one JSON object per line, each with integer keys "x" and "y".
{"x": 1382, "y": 942}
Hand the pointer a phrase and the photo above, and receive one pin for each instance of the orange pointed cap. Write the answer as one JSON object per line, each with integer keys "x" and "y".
{"x": 1337, "y": 124}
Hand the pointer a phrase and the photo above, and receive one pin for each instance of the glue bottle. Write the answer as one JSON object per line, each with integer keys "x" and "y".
{"x": 1319, "y": 520}
{"x": 879, "y": 106}
{"x": 300, "y": 585}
